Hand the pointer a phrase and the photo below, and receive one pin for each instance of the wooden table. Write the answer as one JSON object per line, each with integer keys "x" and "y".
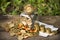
{"x": 53, "y": 20}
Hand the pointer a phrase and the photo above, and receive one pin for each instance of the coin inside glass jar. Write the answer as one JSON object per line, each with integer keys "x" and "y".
{"x": 42, "y": 28}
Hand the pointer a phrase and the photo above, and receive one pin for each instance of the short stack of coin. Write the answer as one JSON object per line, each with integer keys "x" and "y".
{"x": 42, "y": 28}
{"x": 47, "y": 30}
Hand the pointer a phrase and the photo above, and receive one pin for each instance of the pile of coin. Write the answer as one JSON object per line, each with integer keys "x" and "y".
{"x": 24, "y": 31}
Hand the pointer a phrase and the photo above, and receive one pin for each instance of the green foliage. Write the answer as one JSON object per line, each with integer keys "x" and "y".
{"x": 3, "y": 5}
{"x": 43, "y": 7}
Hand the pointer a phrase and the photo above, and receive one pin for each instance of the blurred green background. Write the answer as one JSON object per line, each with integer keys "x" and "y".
{"x": 43, "y": 7}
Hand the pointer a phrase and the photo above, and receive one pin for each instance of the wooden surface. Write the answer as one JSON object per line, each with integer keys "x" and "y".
{"x": 53, "y": 20}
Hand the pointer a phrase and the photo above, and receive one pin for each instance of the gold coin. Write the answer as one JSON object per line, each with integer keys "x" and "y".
{"x": 48, "y": 30}
{"x": 54, "y": 32}
{"x": 42, "y": 28}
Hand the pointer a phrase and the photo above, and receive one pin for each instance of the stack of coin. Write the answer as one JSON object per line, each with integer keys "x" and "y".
{"x": 36, "y": 25}
{"x": 48, "y": 30}
{"x": 54, "y": 32}
{"x": 42, "y": 28}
